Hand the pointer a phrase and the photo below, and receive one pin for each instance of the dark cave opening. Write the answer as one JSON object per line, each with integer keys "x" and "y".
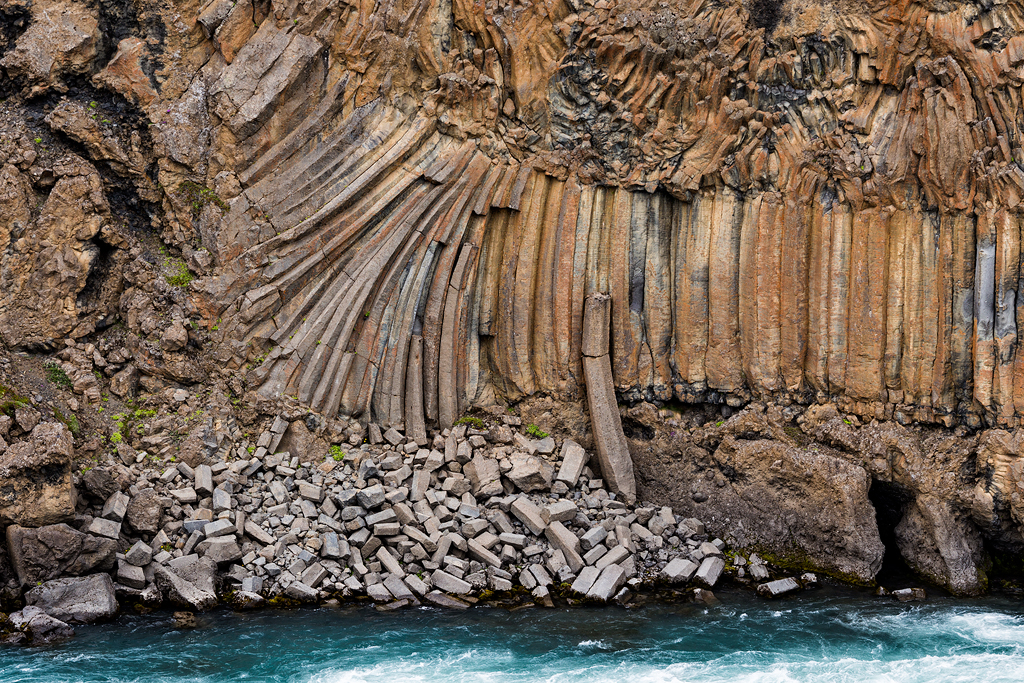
{"x": 890, "y": 501}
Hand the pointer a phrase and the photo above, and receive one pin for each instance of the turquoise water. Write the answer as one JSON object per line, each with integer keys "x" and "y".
{"x": 827, "y": 635}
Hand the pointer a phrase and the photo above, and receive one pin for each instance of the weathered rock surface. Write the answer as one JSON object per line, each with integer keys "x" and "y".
{"x": 812, "y": 507}
{"x": 56, "y": 550}
{"x": 36, "y": 473}
{"x": 404, "y": 221}
{"x": 945, "y": 550}
{"x": 76, "y": 600}
{"x": 36, "y": 627}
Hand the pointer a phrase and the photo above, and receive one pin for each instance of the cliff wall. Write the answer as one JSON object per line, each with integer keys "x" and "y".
{"x": 394, "y": 211}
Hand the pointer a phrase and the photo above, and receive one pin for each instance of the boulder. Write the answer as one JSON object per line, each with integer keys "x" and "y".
{"x": 36, "y": 627}
{"x": 100, "y": 483}
{"x": 809, "y": 508}
{"x": 530, "y": 473}
{"x": 63, "y": 39}
{"x": 942, "y": 547}
{"x": 484, "y": 476}
{"x": 76, "y": 600}
{"x": 56, "y": 550}
{"x": 144, "y": 511}
{"x": 37, "y": 488}
{"x": 182, "y": 593}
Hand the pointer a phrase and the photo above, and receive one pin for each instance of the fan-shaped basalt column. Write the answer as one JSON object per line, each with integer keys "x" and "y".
{"x": 393, "y": 236}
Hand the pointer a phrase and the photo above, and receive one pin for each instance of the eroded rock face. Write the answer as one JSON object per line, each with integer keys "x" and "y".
{"x": 36, "y": 487}
{"x": 62, "y": 40}
{"x": 796, "y": 202}
{"x": 946, "y": 550}
{"x": 801, "y": 507}
{"x": 46, "y": 264}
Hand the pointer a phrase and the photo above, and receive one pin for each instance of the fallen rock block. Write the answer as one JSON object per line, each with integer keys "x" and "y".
{"x": 36, "y": 473}
{"x": 77, "y": 600}
{"x": 774, "y": 589}
{"x": 679, "y": 570}
{"x": 710, "y": 570}
{"x": 608, "y": 583}
{"x": 442, "y": 600}
{"x": 36, "y": 627}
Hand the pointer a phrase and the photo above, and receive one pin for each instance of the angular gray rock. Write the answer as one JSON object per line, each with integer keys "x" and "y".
{"x": 39, "y": 628}
{"x": 530, "y": 473}
{"x": 574, "y": 459}
{"x": 710, "y": 570}
{"x": 484, "y": 476}
{"x": 144, "y": 511}
{"x": 679, "y": 570}
{"x": 608, "y": 583}
{"x": 76, "y": 600}
{"x": 183, "y": 593}
{"x": 774, "y": 589}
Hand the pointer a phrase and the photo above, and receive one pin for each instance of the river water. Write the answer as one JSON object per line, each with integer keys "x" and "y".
{"x": 825, "y": 635}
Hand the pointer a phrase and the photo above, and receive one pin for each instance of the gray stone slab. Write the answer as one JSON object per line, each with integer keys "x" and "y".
{"x": 710, "y": 570}
{"x": 608, "y": 583}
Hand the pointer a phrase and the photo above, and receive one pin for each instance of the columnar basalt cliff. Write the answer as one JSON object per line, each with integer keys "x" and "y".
{"x": 396, "y": 212}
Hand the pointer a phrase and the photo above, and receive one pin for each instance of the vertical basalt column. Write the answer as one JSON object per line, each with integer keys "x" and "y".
{"x": 612, "y": 449}
{"x": 414, "y": 423}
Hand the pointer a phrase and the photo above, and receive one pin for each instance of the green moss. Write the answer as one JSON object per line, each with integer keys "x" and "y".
{"x": 178, "y": 274}
{"x": 55, "y": 375}
{"x": 336, "y": 452}
{"x": 799, "y": 561}
{"x": 199, "y": 197}
{"x": 10, "y": 400}
{"x": 474, "y": 422}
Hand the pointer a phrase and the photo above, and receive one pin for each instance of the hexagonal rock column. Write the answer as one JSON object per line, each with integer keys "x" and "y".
{"x": 612, "y": 449}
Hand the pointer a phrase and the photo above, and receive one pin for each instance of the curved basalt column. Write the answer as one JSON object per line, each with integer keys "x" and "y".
{"x": 823, "y": 209}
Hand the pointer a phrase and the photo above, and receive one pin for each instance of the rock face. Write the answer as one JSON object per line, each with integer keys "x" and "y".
{"x": 780, "y": 204}
{"x": 946, "y": 550}
{"x": 37, "y": 488}
{"x": 812, "y": 507}
{"x": 51, "y": 551}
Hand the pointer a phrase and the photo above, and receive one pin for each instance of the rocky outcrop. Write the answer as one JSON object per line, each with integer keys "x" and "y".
{"x": 32, "y": 626}
{"x": 755, "y": 486}
{"x": 46, "y": 263}
{"x": 398, "y": 214}
{"x": 945, "y": 550}
{"x": 36, "y": 473}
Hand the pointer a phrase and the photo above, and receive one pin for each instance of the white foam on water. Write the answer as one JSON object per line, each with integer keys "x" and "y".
{"x": 593, "y": 645}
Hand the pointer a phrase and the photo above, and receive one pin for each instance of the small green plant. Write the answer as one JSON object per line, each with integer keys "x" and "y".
{"x": 38, "y": 141}
{"x": 179, "y": 275}
{"x": 99, "y": 409}
{"x": 199, "y": 197}
{"x": 55, "y": 375}
{"x": 474, "y": 422}
{"x": 337, "y": 453}
{"x": 535, "y": 431}
{"x": 116, "y": 437}
{"x": 72, "y": 423}
{"x": 144, "y": 412}
{"x": 93, "y": 104}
